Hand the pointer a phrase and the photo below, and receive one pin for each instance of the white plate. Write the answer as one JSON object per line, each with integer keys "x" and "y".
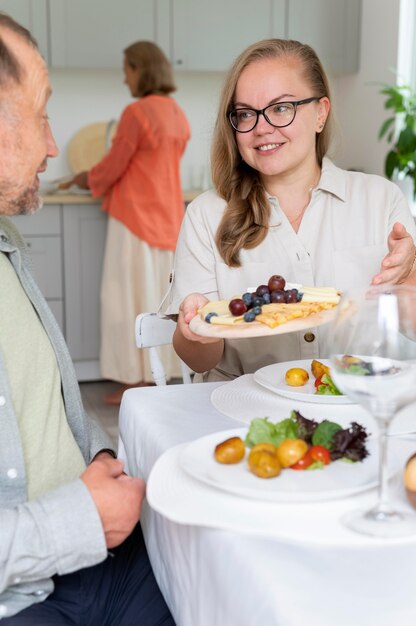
{"x": 337, "y": 480}
{"x": 256, "y": 329}
{"x": 272, "y": 377}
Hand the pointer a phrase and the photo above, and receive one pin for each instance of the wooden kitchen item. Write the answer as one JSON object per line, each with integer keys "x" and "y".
{"x": 89, "y": 144}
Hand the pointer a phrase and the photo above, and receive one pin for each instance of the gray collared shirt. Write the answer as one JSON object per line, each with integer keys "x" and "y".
{"x": 59, "y": 532}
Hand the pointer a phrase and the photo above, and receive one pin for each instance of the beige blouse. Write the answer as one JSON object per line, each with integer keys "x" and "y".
{"x": 340, "y": 243}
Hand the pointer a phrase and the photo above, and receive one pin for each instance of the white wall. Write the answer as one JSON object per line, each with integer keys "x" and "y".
{"x": 83, "y": 97}
{"x": 358, "y": 104}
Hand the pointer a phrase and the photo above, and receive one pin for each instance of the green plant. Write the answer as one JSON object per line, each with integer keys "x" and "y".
{"x": 402, "y": 136}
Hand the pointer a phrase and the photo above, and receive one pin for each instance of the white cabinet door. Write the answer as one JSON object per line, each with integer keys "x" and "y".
{"x": 331, "y": 27}
{"x": 94, "y": 33}
{"x": 84, "y": 228}
{"x": 210, "y": 35}
{"x": 43, "y": 237}
{"x": 31, "y": 14}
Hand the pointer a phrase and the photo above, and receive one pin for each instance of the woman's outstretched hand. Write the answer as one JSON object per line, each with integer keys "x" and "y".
{"x": 397, "y": 265}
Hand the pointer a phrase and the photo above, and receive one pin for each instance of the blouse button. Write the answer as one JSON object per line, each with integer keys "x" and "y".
{"x": 12, "y": 472}
{"x": 309, "y": 337}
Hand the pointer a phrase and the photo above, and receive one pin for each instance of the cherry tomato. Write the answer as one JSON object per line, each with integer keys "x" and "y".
{"x": 320, "y": 453}
{"x": 304, "y": 462}
{"x": 318, "y": 381}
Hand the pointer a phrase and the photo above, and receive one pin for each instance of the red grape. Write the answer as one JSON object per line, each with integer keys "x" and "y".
{"x": 237, "y": 306}
{"x": 291, "y": 295}
{"x": 278, "y": 296}
{"x": 261, "y": 290}
{"x": 276, "y": 283}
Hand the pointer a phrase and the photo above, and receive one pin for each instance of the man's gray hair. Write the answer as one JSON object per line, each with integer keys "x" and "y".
{"x": 10, "y": 68}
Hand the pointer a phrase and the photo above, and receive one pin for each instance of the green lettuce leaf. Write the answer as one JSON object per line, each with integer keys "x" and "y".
{"x": 263, "y": 431}
{"x": 324, "y": 432}
{"x": 328, "y": 387}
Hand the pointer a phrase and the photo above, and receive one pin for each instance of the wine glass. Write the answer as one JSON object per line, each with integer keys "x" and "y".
{"x": 373, "y": 361}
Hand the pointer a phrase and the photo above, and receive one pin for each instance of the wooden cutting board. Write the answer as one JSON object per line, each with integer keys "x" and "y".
{"x": 89, "y": 144}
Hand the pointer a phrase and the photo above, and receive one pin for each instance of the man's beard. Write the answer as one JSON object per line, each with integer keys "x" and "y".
{"x": 28, "y": 202}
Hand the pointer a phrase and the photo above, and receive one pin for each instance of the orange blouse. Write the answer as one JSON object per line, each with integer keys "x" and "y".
{"x": 139, "y": 177}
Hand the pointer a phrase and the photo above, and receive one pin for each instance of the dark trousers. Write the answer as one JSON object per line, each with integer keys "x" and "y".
{"x": 120, "y": 591}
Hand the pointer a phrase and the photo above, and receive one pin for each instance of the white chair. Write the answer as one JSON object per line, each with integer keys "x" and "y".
{"x": 153, "y": 331}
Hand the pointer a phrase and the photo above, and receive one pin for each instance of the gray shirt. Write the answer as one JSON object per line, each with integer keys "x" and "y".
{"x": 60, "y": 531}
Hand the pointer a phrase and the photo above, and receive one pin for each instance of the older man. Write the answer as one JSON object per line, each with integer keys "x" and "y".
{"x": 64, "y": 499}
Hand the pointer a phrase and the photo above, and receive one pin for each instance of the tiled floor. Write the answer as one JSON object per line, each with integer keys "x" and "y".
{"x": 92, "y": 396}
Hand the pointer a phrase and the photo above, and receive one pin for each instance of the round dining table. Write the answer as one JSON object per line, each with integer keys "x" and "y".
{"x": 225, "y": 558}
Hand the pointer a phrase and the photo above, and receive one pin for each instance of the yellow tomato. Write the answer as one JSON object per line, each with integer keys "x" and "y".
{"x": 296, "y": 377}
{"x": 290, "y": 451}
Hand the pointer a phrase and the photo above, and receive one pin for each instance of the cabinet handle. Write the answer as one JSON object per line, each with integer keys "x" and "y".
{"x": 179, "y": 62}
{"x": 28, "y": 244}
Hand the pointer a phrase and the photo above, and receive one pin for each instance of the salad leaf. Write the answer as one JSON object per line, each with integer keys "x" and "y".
{"x": 328, "y": 387}
{"x": 262, "y": 431}
{"x": 286, "y": 429}
{"x": 324, "y": 433}
{"x": 349, "y": 443}
{"x": 306, "y": 426}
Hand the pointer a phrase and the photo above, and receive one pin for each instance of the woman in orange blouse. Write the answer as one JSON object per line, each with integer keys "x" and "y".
{"x": 139, "y": 179}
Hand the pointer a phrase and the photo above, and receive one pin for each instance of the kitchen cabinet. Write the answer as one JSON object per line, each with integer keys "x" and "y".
{"x": 66, "y": 244}
{"x": 94, "y": 34}
{"x": 197, "y": 35}
{"x": 210, "y": 35}
{"x": 42, "y": 235}
{"x": 331, "y": 27}
{"x": 84, "y": 228}
{"x": 32, "y": 14}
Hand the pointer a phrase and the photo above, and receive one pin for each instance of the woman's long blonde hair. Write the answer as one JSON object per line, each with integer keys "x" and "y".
{"x": 246, "y": 219}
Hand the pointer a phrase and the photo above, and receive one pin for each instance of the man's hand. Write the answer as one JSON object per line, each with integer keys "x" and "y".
{"x": 398, "y": 263}
{"x": 118, "y": 497}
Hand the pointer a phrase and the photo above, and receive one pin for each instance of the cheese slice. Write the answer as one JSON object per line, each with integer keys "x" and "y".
{"x": 320, "y": 294}
{"x": 314, "y": 299}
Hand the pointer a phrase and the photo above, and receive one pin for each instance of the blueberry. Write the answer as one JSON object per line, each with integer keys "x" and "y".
{"x": 250, "y": 316}
{"x": 209, "y": 315}
{"x": 266, "y": 298}
{"x": 300, "y": 296}
{"x": 247, "y": 299}
{"x": 256, "y": 310}
{"x": 257, "y": 301}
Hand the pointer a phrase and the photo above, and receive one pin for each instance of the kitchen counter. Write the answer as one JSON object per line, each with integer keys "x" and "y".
{"x": 74, "y": 198}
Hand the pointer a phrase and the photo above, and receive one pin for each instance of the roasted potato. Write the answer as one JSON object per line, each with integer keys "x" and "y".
{"x": 318, "y": 369}
{"x": 230, "y": 451}
{"x": 264, "y": 446}
{"x": 263, "y": 463}
{"x": 296, "y": 377}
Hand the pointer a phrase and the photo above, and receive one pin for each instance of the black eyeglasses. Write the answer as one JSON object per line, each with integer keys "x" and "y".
{"x": 279, "y": 115}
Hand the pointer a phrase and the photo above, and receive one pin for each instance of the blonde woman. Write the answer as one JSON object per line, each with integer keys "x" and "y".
{"x": 139, "y": 179}
{"x": 280, "y": 206}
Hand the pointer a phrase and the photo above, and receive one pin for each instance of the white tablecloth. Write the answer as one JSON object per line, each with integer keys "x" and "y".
{"x": 211, "y": 560}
